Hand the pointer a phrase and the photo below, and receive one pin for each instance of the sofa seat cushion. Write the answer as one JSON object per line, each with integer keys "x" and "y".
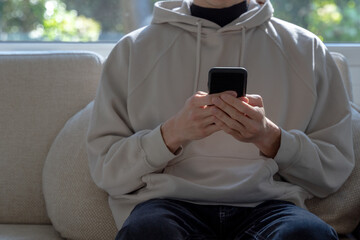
{"x": 28, "y": 232}
{"x": 77, "y": 208}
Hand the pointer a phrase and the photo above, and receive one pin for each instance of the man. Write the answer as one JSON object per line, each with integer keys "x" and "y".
{"x": 200, "y": 166}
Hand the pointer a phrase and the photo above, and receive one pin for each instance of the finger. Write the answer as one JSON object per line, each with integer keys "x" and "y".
{"x": 202, "y": 99}
{"x": 226, "y": 119}
{"x": 244, "y": 99}
{"x": 203, "y": 117}
{"x": 232, "y": 112}
{"x": 217, "y": 95}
{"x": 242, "y": 107}
{"x": 228, "y": 130}
{"x": 209, "y": 121}
{"x": 255, "y": 100}
{"x": 232, "y": 93}
{"x": 211, "y": 128}
{"x": 229, "y": 109}
{"x": 204, "y": 112}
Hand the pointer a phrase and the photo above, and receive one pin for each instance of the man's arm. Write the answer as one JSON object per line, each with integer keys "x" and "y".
{"x": 320, "y": 159}
{"x": 118, "y": 156}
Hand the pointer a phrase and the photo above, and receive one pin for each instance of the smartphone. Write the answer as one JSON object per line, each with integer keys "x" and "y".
{"x": 227, "y": 78}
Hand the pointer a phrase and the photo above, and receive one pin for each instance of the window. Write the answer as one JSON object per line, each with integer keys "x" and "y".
{"x": 71, "y": 21}
{"x": 332, "y": 20}
{"x": 108, "y": 20}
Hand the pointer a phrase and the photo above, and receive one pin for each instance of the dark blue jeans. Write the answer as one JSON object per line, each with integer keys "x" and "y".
{"x": 171, "y": 219}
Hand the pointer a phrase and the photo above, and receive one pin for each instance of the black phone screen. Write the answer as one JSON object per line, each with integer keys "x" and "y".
{"x": 228, "y": 78}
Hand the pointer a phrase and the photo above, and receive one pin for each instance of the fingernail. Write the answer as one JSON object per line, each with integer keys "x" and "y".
{"x": 244, "y": 99}
{"x": 226, "y": 96}
{"x": 232, "y": 93}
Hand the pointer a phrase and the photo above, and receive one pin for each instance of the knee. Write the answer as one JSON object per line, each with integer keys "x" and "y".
{"x": 147, "y": 220}
{"x": 306, "y": 228}
{"x": 146, "y": 216}
{"x": 138, "y": 228}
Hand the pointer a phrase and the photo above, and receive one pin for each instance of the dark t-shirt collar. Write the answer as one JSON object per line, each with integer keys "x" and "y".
{"x": 220, "y": 16}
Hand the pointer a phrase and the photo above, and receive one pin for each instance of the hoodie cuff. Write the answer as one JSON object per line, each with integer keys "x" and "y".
{"x": 288, "y": 150}
{"x": 156, "y": 151}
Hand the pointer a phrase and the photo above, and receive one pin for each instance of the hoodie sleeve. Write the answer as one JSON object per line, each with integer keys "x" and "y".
{"x": 321, "y": 158}
{"x": 118, "y": 156}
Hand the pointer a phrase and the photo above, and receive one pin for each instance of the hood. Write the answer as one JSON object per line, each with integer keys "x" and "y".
{"x": 177, "y": 13}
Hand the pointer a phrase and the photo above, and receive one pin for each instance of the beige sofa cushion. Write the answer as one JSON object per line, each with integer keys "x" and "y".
{"x": 343, "y": 67}
{"x": 342, "y": 209}
{"x": 39, "y": 92}
{"x": 77, "y": 208}
{"x": 28, "y": 232}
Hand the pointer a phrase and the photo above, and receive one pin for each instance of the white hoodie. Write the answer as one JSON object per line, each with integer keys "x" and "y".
{"x": 151, "y": 72}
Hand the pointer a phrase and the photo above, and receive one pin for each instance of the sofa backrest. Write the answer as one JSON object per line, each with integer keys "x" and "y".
{"x": 39, "y": 92}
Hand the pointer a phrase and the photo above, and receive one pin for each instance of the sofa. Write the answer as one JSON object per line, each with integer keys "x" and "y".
{"x": 46, "y": 191}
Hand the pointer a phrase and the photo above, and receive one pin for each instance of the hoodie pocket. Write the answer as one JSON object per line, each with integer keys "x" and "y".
{"x": 218, "y": 171}
{"x": 228, "y": 179}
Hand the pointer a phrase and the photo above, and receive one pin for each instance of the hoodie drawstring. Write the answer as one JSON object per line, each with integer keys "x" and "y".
{"x": 198, "y": 55}
{"x": 242, "y": 54}
{"x": 198, "y": 52}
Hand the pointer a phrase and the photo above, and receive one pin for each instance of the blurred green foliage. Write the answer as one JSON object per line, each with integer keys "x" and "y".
{"x": 61, "y": 24}
{"x": 46, "y": 20}
{"x": 331, "y": 20}
{"x": 82, "y": 20}
{"x": 106, "y": 12}
{"x": 19, "y": 16}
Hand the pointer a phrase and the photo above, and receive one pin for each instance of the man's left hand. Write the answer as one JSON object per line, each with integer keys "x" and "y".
{"x": 244, "y": 118}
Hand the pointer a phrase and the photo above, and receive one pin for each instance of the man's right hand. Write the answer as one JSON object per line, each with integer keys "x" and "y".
{"x": 193, "y": 122}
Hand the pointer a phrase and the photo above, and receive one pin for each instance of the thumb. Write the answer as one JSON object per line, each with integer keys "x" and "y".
{"x": 244, "y": 99}
{"x": 232, "y": 93}
{"x": 254, "y": 100}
